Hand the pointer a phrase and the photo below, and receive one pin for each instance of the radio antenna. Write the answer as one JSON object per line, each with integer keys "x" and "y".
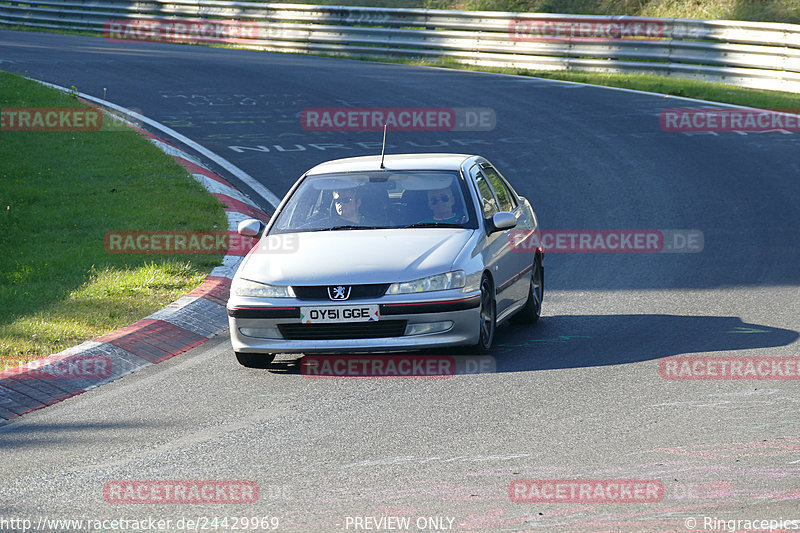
{"x": 383, "y": 147}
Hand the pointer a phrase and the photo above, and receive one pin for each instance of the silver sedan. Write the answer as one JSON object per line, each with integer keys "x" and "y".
{"x": 411, "y": 252}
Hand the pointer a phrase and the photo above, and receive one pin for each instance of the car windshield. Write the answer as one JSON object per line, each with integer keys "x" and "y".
{"x": 376, "y": 200}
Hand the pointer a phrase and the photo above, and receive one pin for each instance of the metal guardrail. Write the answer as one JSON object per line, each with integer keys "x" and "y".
{"x": 749, "y": 54}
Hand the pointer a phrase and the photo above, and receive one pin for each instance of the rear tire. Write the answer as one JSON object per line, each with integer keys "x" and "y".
{"x": 254, "y": 360}
{"x": 488, "y": 313}
{"x": 532, "y": 310}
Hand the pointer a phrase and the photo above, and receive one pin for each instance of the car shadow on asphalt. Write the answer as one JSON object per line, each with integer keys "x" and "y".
{"x": 573, "y": 341}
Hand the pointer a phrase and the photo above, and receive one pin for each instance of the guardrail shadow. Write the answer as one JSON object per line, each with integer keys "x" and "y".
{"x": 39, "y": 435}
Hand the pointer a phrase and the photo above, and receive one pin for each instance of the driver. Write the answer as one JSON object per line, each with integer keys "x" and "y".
{"x": 441, "y": 203}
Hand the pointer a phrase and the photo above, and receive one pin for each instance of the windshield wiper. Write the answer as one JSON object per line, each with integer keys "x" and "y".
{"x": 435, "y": 225}
{"x": 335, "y": 228}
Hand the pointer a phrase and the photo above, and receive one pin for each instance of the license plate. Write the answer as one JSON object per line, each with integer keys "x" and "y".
{"x": 339, "y": 313}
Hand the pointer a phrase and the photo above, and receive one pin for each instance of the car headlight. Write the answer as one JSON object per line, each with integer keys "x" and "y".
{"x": 440, "y": 282}
{"x": 245, "y": 287}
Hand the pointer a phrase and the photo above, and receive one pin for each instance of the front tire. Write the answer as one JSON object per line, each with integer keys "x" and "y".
{"x": 254, "y": 360}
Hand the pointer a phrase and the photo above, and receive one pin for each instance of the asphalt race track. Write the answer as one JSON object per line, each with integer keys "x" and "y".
{"x": 579, "y": 396}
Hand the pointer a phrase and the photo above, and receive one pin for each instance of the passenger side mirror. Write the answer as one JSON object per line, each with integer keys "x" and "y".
{"x": 501, "y": 221}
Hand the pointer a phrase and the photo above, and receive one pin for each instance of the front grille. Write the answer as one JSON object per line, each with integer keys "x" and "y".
{"x": 348, "y": 330}
{"x": 320, "y": 292}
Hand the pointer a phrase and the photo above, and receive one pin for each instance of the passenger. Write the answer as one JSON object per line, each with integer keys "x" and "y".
{"x": 347, "y": 205}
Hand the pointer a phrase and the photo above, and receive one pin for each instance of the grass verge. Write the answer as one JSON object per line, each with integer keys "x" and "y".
{"x": 755, "y": 10}
{"x": 703, "y": 90}
{"x": 60, "y": 192}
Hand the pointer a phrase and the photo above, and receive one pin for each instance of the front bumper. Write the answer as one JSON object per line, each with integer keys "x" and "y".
{"x": 273, "y": 326}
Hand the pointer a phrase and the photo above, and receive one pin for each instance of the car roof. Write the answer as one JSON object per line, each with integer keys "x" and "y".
{"x": 393, "y": 162}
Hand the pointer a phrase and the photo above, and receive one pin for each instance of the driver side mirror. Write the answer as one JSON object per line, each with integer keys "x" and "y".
{"x": 251, "y": 228}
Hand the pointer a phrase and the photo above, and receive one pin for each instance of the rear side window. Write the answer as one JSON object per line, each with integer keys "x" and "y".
{"x": 488, "y": 201}
{"x": 504, "y": 197}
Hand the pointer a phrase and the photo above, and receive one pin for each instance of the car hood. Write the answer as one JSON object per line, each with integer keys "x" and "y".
{"x": 356, "y": 256}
